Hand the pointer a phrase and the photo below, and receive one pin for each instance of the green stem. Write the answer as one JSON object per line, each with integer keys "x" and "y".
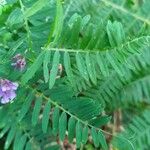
{"x": 147, "y": 38}
{"x": 26, "y": 25}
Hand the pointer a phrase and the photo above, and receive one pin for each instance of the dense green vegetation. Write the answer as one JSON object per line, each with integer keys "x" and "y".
{"x": 75, "y": 73}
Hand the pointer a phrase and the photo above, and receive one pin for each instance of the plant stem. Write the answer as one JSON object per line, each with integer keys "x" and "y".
{"x": 26, "y": 26}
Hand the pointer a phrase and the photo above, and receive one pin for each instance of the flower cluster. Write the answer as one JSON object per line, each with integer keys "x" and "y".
{"x": 19, "y": 62}
{"x": 7, "y": 90}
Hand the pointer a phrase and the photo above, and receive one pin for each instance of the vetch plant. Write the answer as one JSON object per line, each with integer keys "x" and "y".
{"x": 74, "y": 74}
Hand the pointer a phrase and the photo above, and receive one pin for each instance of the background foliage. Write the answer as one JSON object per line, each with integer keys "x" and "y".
{"x": 101, "y": 98}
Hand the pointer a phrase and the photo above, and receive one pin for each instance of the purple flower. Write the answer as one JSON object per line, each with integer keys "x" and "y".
{"x": 19, "y": 62}
{"x": 7, "y": 90}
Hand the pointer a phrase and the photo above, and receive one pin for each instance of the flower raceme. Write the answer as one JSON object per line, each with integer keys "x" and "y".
{"x": 19, "y": 62}
{"x": 7, "y": 90}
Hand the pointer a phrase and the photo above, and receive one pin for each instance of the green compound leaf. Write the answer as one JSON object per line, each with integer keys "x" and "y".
{"x": 10, "y": 136}
{"x": 95, "y": 137}
{"x": 81, "y": 66}
{"x": 36, "y": 110}
{"x": 45, "y": 65}
{"x": 26, "y": 106}
{"x": 78, "y": 134}
{"x": 102, "y": 140}
{"x": 71, "y": 129}
{"x": 62, "y": 126}
{"x": 54, "y": 70}
{"x": 46, "y": 116}
{"x": 32, "y": 69}
{"x": 38, "y": 5}
{"x": 55, "y": 121}
{"x": 85, "y": 135}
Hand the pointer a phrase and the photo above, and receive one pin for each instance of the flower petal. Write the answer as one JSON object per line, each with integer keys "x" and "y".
{"x": 15, "y": 85}
{"x": 5, "y": 99}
